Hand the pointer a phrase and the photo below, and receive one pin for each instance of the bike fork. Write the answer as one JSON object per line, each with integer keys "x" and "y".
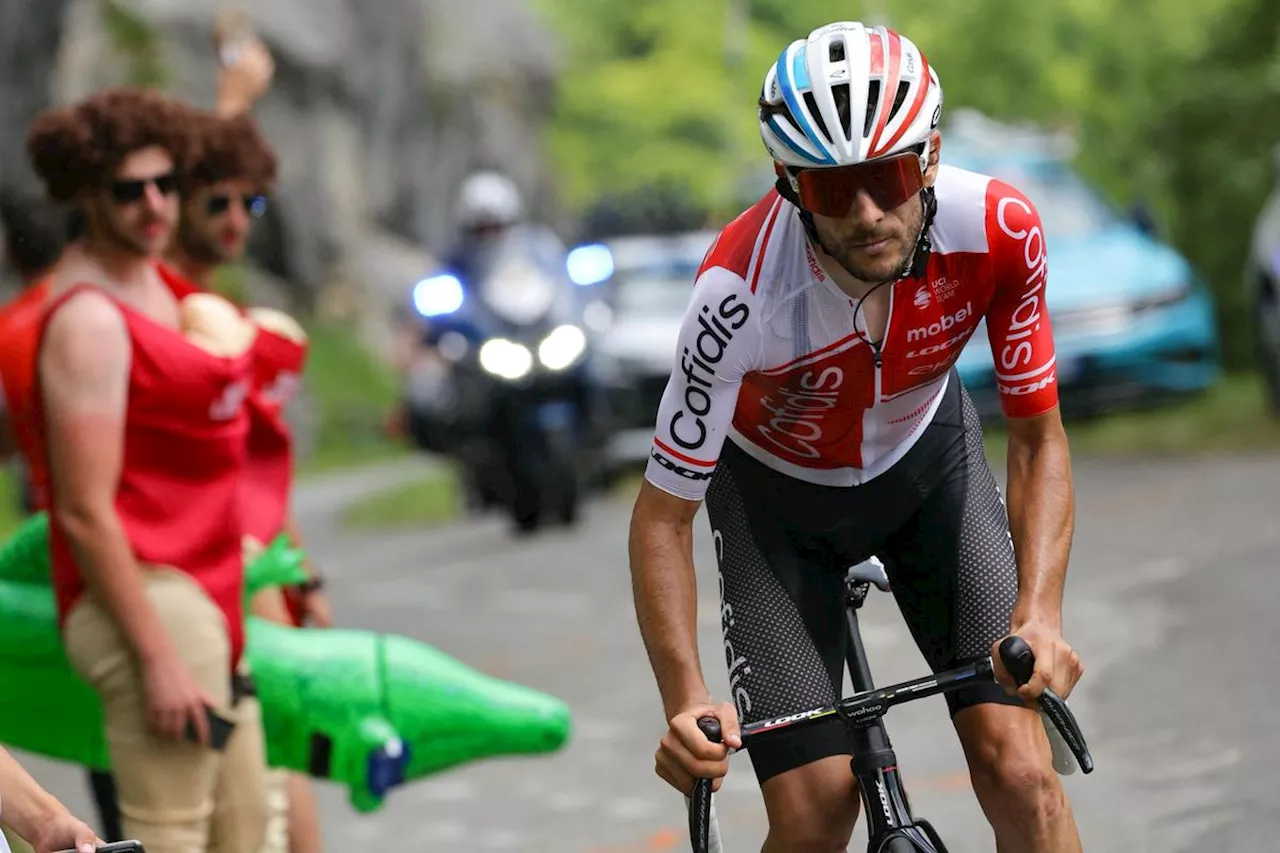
{"x": 884, "y": 801}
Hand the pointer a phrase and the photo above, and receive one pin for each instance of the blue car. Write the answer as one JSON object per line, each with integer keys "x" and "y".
{"x": 1132, "y": 320}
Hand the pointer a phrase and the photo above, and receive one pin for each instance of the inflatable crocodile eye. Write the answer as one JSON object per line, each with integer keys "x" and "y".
{"x": 213, "y": 324}
{"x": 279, "y": 323}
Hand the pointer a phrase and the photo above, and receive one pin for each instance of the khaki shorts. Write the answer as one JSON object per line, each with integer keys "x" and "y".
{"x": 175, "y": 796}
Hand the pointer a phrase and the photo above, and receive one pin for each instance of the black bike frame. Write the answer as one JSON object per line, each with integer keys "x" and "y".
{"x": 874, "y": 764}
{"x": 884, "y": 798}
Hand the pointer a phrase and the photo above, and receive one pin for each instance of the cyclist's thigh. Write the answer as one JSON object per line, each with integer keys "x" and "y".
{"x": 952, "y": 566}
{"x": 782, "y": 621}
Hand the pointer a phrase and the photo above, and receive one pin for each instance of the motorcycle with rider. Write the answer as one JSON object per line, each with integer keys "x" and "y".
{"x": 501, "y": 379}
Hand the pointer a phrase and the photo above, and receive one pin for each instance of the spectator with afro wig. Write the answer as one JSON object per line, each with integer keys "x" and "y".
{"x": 141, "y": 432}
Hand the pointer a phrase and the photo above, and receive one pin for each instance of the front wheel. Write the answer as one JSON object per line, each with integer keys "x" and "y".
{"x": 899, "y": 845}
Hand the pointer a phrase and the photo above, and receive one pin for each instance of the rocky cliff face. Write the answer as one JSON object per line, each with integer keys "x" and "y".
{"x": 30, "y": 33}
{"x": 378, "y": 110}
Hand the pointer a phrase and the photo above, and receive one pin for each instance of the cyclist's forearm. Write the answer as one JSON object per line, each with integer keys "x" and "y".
{"x": 666, "y": 599}
{"x": 106, "y": 561}
{"x": 1041, "y": 506}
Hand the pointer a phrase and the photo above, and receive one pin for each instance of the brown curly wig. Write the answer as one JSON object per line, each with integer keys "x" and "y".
{"x": 231, "y": 149}
{"x": 77, "y": 147}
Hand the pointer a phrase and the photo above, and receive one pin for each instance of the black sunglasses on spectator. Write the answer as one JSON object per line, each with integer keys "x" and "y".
{"x": 127, "y": 191}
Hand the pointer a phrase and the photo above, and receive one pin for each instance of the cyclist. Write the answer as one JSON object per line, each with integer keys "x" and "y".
{"x": 819, "y": 341}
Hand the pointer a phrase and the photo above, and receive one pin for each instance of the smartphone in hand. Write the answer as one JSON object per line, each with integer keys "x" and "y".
{"x": 117, "y": 847}
{"x": 219, "y": 730}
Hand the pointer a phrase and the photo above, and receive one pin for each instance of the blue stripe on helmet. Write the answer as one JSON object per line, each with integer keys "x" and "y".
{"x": 786, "y": 140}
{"x": 799, "y": 71}
{"x": 793, "y": 104}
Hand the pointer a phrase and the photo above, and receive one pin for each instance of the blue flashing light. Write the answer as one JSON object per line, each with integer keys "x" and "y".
{"x": 589, "y": 264}
{"x": 438, "y": 295}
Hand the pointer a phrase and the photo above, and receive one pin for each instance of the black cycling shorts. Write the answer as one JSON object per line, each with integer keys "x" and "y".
{"x": 937, "y": 522}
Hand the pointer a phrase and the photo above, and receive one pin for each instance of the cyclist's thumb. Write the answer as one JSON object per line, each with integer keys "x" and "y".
{"x": 730, "y": 730}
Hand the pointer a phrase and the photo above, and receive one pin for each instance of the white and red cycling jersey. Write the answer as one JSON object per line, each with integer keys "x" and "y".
{"x": 771, "y": 357}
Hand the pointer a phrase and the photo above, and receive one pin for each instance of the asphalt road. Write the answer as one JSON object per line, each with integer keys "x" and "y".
{"x": 1172, "y": 597}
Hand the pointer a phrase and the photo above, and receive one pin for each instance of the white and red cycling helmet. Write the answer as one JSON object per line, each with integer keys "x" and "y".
{"x": 845, "y": 96}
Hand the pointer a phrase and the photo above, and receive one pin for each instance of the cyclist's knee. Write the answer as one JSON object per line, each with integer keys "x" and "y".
{"x": 813, "y": 808}
{"x": 1010, "y": 762}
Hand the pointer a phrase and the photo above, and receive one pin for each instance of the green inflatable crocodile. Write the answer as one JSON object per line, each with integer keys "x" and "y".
{"x": 367, "y": 710}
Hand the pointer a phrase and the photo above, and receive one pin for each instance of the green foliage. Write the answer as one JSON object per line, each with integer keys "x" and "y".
{"x": 435, "y": 499}
{"x": 132, "y": 35}
{"x": 10, "y": 501}
{"x": 1224, "y": 127}
{"x": 1176, "y": 105}
{"x": 353, "y": 393}
{"x": 231, "y": 282}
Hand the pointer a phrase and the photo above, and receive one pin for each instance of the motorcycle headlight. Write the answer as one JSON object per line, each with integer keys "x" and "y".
{"x": 562, "y": 347}
{"x": 505, "y": 359}
{"x": 438, "y": 295}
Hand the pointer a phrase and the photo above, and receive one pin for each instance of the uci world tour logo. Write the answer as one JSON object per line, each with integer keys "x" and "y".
{"x": 922, "y": 298}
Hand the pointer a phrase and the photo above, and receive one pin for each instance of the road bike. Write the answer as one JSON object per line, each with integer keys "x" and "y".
{"x": 891, "y": 826}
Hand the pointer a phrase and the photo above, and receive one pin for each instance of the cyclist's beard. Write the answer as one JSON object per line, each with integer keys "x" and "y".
{"x": 844, "y": 248}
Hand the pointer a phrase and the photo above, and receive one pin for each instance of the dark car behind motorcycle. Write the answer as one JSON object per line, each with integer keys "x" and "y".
{"x": 504, "y": 386}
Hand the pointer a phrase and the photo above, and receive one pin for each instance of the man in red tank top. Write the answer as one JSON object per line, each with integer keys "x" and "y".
{"x": 143, "y": 430}
{"x": 35, "y": 234}
{"x": 224, "y": 194}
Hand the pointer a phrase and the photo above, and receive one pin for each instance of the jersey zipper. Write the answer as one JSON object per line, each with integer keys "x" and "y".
{"x": 877, "y": 350}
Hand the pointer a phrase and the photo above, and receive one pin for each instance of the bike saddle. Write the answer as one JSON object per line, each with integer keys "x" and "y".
{"x": 869, "y": 571}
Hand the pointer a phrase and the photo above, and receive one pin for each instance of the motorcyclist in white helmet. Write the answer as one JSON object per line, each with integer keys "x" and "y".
{"x": 489, "y": 206}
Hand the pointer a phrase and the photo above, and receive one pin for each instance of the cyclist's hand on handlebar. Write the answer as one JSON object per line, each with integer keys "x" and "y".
{"x": 1057, "y": 664}
{"x": 685, "y": 754}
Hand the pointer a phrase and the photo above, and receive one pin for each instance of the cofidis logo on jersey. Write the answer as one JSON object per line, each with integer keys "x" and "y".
{"x": 1016, "y": 350}
{"x": 686, "y": 428}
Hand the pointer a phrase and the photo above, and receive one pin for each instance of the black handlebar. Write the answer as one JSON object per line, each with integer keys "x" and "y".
{"x": 1014, "y": 653}
{"x": 700, "y": 802}
{"x": 1021, "y": 663}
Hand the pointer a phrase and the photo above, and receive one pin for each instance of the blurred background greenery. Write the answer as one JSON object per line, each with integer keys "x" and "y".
{"x": 1175, "y": 106}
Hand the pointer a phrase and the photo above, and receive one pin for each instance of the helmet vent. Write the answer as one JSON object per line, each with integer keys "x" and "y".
{"x": 835, "y": 52}
{"x": 900, "y": 98}
{"x": 843, "y": 96}
{"x": 812, "y": 103}
{"x": 873, "y": 106}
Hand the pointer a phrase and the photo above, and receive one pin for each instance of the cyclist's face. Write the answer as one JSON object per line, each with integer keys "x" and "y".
{"x": 873, "y": 244}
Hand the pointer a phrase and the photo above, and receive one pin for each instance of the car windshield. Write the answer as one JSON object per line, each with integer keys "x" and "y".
{"x": 655, "y": 291}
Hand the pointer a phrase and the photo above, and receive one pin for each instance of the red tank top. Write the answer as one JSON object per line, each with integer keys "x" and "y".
{"x": 268, "y": 480}
{"x": 184, "y": 455}
{"x": 19, "y": 326}
{"x": 277, "y": 364}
